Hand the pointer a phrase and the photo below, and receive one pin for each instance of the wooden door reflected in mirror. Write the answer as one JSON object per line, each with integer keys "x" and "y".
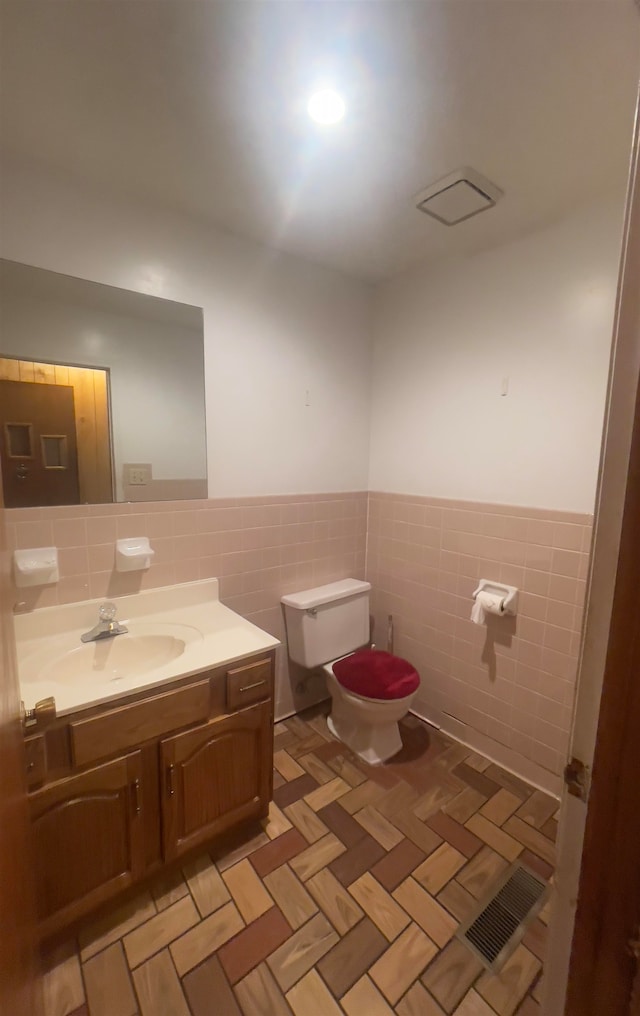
{"x": 54, "y": 434}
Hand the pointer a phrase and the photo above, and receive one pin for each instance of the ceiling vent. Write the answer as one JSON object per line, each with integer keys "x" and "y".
{"x": 458, "y": 196}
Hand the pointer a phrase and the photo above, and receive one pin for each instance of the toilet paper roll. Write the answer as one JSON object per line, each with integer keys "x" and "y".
{"x": 486, "y": 603}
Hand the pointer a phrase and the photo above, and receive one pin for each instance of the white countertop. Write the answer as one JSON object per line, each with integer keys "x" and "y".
{"x": 52, "y": 661}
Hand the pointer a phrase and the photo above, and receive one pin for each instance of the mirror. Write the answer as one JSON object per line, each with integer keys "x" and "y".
{"x": 101, "y": 393}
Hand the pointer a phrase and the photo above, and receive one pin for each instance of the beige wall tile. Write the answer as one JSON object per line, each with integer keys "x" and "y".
{"x": 539, "y": 551}
{"x": 423, "y": 553}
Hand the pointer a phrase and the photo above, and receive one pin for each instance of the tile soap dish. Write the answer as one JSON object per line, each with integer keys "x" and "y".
{"x": 37, "y": 567}
{"x": 133, "y": 554}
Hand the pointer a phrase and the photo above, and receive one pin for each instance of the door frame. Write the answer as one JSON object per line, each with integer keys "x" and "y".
{"x": 21, "y": 986}
{"x": 590, "y": 970}
{"x": 92, "y": 406}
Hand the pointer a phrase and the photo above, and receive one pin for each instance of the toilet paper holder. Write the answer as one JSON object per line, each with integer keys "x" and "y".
{"x": 508, "y": 593}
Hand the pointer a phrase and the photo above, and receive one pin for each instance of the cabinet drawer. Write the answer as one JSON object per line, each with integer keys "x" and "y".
{"x": 35, "y": 759}
{"x": 250, "y": 683}
{"x": 132, "y": 725}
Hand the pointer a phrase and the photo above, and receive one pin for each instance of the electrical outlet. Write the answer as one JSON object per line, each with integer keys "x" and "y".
{"x": 138, "y": 474}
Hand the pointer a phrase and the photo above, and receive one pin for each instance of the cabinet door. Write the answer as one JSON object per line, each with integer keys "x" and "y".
{"x": 88, "y": 839}
{"x": 215, "y": 777}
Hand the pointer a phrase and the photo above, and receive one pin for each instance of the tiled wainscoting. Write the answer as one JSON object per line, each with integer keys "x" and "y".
{"x": 507, "y": 686}
{"x": 260, "y": 548}
{"x": 511, "y": 680}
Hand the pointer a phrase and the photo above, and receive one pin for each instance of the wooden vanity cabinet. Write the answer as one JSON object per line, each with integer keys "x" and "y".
{"x": 192, "y": 762}
{"x": 88, "y": 838}
{"x": 214, "y": 777}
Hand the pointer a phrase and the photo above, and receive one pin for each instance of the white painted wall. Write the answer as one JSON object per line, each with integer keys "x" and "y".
{"x": 276, "y": 327}
{"x": 538, "y": 312}
{"x": 155, "y": 377}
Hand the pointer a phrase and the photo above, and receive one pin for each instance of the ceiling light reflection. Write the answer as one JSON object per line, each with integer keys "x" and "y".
{"x": 326, "y": 107}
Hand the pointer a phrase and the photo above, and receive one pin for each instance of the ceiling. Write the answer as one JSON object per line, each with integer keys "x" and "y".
{"x": 200, "y": 106}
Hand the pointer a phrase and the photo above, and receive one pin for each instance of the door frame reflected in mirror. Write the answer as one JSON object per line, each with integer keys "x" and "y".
{"x": 84, "y": 474}
{"x": 153, "y": 352}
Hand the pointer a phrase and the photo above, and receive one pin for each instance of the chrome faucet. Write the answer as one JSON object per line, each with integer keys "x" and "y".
{"x": 107, "y": 626}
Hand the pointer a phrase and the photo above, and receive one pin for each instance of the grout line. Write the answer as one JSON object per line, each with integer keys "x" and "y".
{"x": 399, "y": 781}
{"x": 130, "y": 975}
{"x": 180, "y": 979}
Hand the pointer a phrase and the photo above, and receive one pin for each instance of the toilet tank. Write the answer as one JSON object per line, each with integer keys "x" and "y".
{"x": 327, "y": 622}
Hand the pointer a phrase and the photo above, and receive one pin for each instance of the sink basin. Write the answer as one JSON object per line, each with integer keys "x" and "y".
{"x": 146, "y": 648}
{"x": 114, "y": 659}
{"x": 173, "y": 632}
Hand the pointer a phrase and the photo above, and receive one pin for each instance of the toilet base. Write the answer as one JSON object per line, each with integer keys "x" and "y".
{"x": 373, "y": 744}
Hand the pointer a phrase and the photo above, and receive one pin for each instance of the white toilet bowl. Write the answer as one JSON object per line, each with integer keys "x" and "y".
{"x": 368, "y": 726}
{"x": 332, "y": 622}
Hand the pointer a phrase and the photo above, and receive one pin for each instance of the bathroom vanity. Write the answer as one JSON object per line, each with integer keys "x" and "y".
{"x": 160, "y": 740}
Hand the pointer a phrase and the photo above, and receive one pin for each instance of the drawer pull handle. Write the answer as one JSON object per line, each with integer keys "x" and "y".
{"x": 170, "y": 787}
{"x": 250, "y": 687}
{"x": 136, "y": 797}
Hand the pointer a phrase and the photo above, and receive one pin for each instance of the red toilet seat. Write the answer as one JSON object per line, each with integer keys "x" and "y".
{"x": 375, "y": 674}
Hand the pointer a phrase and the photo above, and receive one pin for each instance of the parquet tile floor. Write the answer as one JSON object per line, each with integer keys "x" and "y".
{"x": 344, "y": 903}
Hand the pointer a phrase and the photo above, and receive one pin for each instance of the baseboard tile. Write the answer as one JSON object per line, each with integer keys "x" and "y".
{"x": 503, "y": 756}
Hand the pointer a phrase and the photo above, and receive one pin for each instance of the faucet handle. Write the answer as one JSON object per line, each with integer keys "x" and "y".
{"x": 107, "y": 611}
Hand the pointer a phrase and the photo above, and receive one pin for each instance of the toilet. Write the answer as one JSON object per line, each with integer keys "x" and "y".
{"x": 370, "y": 690}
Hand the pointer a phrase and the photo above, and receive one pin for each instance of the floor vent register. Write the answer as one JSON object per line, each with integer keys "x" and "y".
{"x": 493, "y": 931}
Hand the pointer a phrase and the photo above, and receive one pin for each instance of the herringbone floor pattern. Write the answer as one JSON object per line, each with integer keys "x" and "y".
{"x": 345, "y": 903}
